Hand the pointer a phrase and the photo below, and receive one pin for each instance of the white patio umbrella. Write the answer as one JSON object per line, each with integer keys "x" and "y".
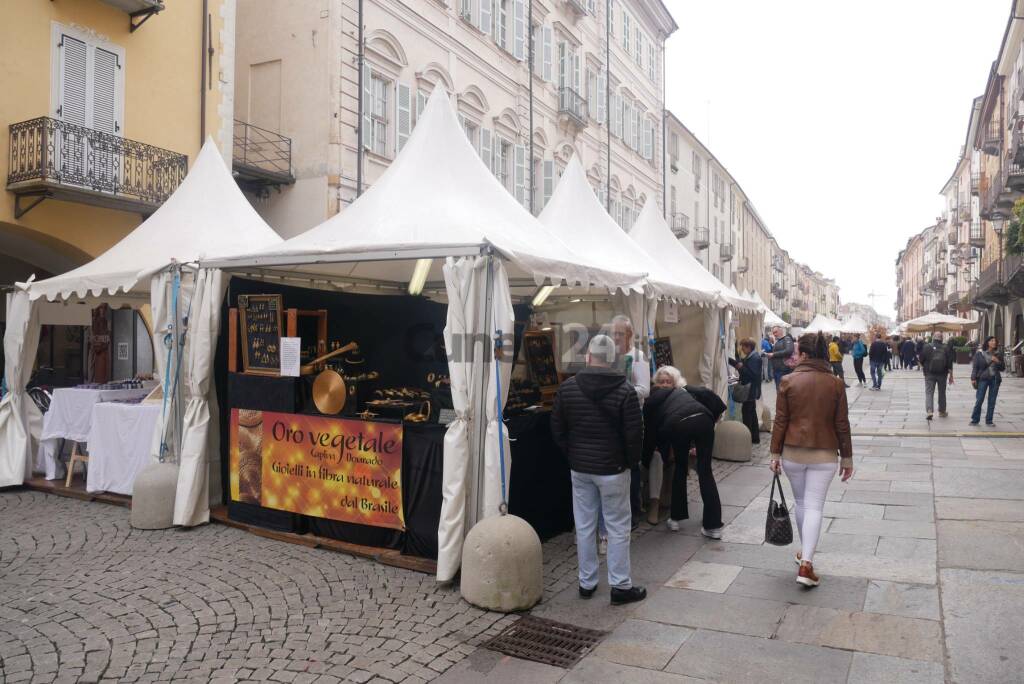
{"x": 936, "y": 322}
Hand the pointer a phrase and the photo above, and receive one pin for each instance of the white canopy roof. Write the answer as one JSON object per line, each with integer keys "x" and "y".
{"x": 575, "y": 215}
{"x": 744, "y": 300}
{"x": 854, "y": 324}
{"x": 936, "y": 321}
{"x": 657, "y": 239}
{"x": 771, "y": 319}
{"x": 825, "y": 324}
{"x": 436, "y": 199}
{"x": 206, "y": 217}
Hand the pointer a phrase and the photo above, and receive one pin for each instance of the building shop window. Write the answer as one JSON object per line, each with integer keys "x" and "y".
{"x": 503, "y": 163}
{"x": 501, "y": 24}
{"x": 626, "y": 32}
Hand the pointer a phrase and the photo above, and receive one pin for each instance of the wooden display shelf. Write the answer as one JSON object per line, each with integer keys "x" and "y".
{"x": 76, "y": 491}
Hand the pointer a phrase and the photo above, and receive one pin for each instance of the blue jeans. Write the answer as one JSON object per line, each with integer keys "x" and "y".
{"x": 609, "y": 495}
{"x": 781, "y": 373}
{"x": 877, "y": 373}
{"x": 992, "y": 386}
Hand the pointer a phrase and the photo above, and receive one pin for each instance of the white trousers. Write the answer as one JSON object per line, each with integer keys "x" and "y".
{"x": 810, "y": 482}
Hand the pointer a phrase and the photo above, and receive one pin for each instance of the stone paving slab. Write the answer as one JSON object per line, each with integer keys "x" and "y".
{"x": 592, "y": 670}
{"x": 984, "y": 545}
{"x": 868, "y": 668}
{"x": 721, "y": 657}
{"x": 721, "y": 612}
{"x": 983, "y": 614}
{"x": 496, "y": 668}
{"x": 642, "y": 643}
{"x": 884, "y": 528}
{"x": 846, "y": 593}
{"x": 915, "y": 571}
{"x": 906, "y": 549}
{"x": 698, "y": 576}
{"x": 867, "y": 632}
{"x": 979, "y": 483}
{"x": 951, "y": 508}
{"x": 905, "y": 600}
{"x": 910, "y": 513}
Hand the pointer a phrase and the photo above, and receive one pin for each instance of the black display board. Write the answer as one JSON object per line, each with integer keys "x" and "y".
{"x": 540, "y": 358}
{"x": 260, "y": 317}
{"x": 662, "y": 352}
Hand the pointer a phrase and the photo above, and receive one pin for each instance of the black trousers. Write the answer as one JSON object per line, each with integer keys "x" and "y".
{"x": 858, "y": 366}
{"x": 698, "y": 431}
{"x": 750, "y": 420}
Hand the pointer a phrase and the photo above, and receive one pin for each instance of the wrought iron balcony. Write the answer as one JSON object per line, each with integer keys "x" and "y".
{"x": 261, "y": 159}
{"x": 573, "y": 106}
{"x": 577, "y": 6}
{"x": 952, "y": 236}
{"x": 1014, "y": 173}
{"x": 778, "y": 264}
{"x": 725, "y": 252}
{"x": 993, "y": 140}
{"x": 797, "y": 302}
{"x": 975, "y": 182}
{"x": 138, "y": 11}
{"x": 680, "y": 224}
{"x": 976, "y": 237}
{"x": 743, "y": 266}
{"x": 1013, "y": 274}
{"x": 53, "y": 159}
{"x": 994, "y": 204}
{"x": 991, "y": 289}
{"x": 701, "y": 238}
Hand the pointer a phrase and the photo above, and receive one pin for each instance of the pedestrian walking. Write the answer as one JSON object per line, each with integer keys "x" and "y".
{"x": 894, "y": 349}
{"x": 811, "y": 430}
{"x": 638, "y": 373}
{"x": 750, "y": 376}
{"x": 909, "y": 353}
{"x": 918, "y": 349}
{"x": 835, "y": 357}
{"x": 596, "y": 422}
{"x": 780, "y": 354}
{"x": 876, "y": 359}
{"x": 678, "y": 417}
{"x": 766, "y": 347}
{"x": 986, "y": 377}
{"x": 860, "y": 350}
{"x": 937, "y": 366}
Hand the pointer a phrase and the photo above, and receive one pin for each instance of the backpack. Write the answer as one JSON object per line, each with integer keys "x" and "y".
{"x": 937, "y": 363}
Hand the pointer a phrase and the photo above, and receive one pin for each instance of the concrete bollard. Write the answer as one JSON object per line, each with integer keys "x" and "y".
{"x": 501, "y": 565}
{"x": 153, "y": 496}
{"x": 732, "y": 442}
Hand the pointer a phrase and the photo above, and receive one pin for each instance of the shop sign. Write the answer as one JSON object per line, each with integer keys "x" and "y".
{"x": 335, "y": 468}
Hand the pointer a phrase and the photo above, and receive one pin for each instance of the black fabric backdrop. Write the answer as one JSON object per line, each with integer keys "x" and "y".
{"x": 401, "y": 337}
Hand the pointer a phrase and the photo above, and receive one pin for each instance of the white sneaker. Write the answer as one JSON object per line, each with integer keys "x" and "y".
{"x": 602, "y": 546}
{"x": 672, "y": 525}
{"x": 712, "y": 534}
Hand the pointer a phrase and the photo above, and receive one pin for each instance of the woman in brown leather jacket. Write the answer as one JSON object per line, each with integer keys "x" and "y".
{"x": 811, "y": 430}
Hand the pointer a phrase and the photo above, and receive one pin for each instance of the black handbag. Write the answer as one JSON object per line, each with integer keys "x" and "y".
{"x": 778, "y": 529}
{"x": 741, "y": 393}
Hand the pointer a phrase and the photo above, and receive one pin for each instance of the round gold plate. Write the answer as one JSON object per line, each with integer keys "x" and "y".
{"x": 329, "y": 392}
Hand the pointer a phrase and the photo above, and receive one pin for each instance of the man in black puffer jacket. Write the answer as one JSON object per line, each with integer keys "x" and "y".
{"x": 596, "y": 421}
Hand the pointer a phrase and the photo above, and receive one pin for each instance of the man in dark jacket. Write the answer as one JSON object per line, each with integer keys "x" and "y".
{"x": 877, "y": 353}
{"x": 937, "y": 366}
{"x": 596, "y": 422}
{"x": 782, "y": 350}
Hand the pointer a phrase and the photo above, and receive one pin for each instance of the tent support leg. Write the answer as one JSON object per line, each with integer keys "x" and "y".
{"x": 482, "y": 403}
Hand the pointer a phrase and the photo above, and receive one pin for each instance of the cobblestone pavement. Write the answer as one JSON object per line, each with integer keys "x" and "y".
{"x": 84, "y": 597}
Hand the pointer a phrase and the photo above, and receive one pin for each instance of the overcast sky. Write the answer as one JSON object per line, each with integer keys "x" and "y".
{"x": 841, "y": 121}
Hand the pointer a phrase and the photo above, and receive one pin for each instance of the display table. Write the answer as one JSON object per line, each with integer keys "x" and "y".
{"x": 120, "y": 441}
{"x": 70, "y": 417}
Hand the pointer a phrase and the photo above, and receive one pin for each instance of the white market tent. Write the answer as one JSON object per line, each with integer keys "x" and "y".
{"x": 438, "y": 201}
{"x": 854, "y": 324}
{"x": 935, "y": 322}
{"x": 771, "y": 319}
{"x": 824, "y": 324}
{"x": 207, "y": 216}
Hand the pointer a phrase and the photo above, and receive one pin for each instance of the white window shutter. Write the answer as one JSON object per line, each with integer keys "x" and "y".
{"x": 367, "y": 107}
{"x": 549, "y": 180}
{"x": 648, "y": 140}
{"x": 403, "y": 115}
{"x": 546, "y": 49}
{"x": 520, "y": 30}
{"x": 576, "y": 71}
{"x": 521, "y": 193}
{"x": 485, "y": 147}
{"x": 601, "y": 96}
{"x": 485, "y": 24}
{"x": 105, "y": 68}
{"x": 652, "y": 65}
{"x": 563, "y": 67}
{"x": 73, "y": 81}
{"x": 591, "y": 90}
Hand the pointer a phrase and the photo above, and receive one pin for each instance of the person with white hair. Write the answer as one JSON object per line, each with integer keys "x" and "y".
{"x": 677, "y": 417}
{"x": 597, "y": 424}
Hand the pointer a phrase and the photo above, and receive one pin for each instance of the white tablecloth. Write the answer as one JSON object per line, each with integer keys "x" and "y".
{"x": 70, "y": 417}
{"x": 119, "y": 443}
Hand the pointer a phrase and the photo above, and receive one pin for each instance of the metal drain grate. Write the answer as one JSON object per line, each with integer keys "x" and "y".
{"x": 545, "y": 641}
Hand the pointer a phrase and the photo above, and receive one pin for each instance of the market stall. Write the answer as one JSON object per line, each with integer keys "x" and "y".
{"x": 824, "y": 324}
{"x": 445, "y": 236}
{"x": 206, "y": 216}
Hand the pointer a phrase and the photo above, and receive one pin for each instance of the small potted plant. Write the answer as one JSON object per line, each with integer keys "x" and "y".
{"x": 964, "y": 352}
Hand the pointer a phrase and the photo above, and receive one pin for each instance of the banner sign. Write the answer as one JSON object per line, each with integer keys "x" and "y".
{"x": 347, "y": 470}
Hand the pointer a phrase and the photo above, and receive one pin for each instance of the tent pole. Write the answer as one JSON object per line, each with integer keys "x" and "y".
{"x": 482, "y": 403}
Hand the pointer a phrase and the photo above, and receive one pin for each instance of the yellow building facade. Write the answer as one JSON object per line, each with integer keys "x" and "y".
{"x": 105, "y": 104}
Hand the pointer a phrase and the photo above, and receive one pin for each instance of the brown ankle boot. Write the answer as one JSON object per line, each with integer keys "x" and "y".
{"x": 653, "y": 511}
{"x": 806, "y": 576}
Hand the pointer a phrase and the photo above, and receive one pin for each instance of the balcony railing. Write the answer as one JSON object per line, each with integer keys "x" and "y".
{"x": 743, "y": 266}
{"x": 991, "y": 289}
{"x": 577, "y": 6}
{"x": 976, "y": 237}
{"x": 1014, "y": 173}
{"x": 952, "y": 236}
{"x": 54, "y": 159}
{"x": 993, "y": 140}
{"x": 573, "y": 105}
{"x": 680, "y": 224}
{"x": 260, "y": 159}
{"x": 701, "y": 238}
{"x": 725, "y": 252}
{"x": 778, "y": 264}
{"x": 993, "y": 204}
{"x": 975, "y": 182}
{"x": 797, "y": 302}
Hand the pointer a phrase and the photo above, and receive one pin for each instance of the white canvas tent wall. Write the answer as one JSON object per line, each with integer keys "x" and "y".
{"x": 771, "y": 319}
{"x": 824, "y": 324}
{"x": 703, "y": 329}
{"x": 854, "y": 324}
{"x": 206, "y": 216}
{"x": 438, "y": 201}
